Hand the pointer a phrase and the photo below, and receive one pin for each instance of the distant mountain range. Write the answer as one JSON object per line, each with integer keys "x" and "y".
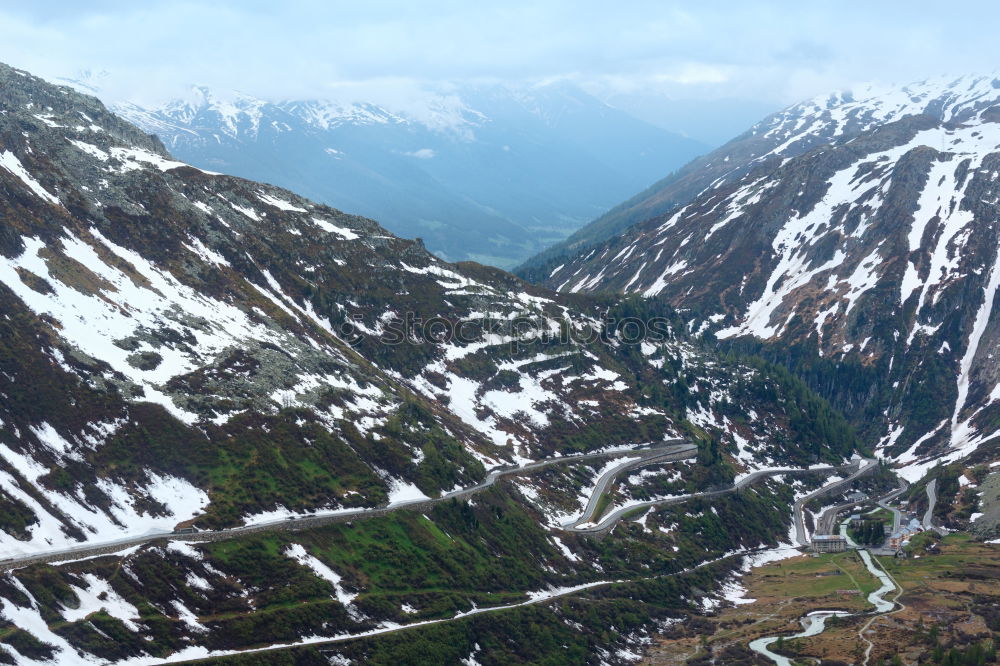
{"x": 492, "y": 174}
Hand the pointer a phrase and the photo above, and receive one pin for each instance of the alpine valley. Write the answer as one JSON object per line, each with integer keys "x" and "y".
{"x": 852, "y": 240}
{"x": 239, "y": 426}
{"x": 492, "y": 173}
{"x": 291, "y": 387}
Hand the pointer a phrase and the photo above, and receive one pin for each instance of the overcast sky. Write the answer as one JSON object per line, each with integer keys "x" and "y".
{"x": 773, "y": 53}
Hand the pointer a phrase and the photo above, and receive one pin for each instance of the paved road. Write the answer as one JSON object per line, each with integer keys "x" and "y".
{"x": 931, "y": 502}
{"x": 928, "y": 522}
{"x": 609, "y": 521}
{"x": 863, "y": 466}
{"x": 608, "y": 477}
{"x": 897, "y": 515}
{"x": 827, "y": 520}
{"x": 673, "y": 450}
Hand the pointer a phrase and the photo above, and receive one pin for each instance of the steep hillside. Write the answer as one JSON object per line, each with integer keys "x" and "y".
{"x": 492, "y": 174}
{"x": 824, "y": 121}
{"x": 180, "y": 349}
{"x": 868, "y": 264}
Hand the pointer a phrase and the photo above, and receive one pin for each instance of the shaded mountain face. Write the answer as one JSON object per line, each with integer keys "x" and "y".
{"x": 863, "y": 250}
{"x": 491, "y": 174}
{"x": 824, "y": 121}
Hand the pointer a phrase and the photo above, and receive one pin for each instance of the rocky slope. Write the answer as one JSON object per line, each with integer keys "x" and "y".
{"x": 197, "y": 311}
{"x": 184, "y": 348}
{"x": 487, "y": 173}
{"x": 862, "y": 250}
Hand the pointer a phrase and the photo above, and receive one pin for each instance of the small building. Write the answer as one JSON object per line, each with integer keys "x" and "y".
{"x": 829, "y": 543}
{"x": 857, "y": 496}
{"x": 902, "y": 537}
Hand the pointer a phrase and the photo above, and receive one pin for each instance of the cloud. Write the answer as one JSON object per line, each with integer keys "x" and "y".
{"x": 422, "y": 154}
{"x": 776, "y": 50}
{"x": 693, "y": 73}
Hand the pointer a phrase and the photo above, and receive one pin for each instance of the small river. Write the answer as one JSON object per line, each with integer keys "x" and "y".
{"x": 815, "y": 622}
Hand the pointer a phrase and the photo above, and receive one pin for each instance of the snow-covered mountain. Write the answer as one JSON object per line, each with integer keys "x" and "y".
{"x": 184, "y": 348}
{"x": 862, "y": 230}
{"x": 487, "y": 173}
{"x": 825, "y": 120}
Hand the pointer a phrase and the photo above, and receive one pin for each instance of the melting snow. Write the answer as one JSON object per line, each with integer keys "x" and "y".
{"x": 9, "y": 161}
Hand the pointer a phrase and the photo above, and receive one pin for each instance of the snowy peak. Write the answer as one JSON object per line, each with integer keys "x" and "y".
{"x": 232, "y": 115}
{"x": 457, "y": 111}
{"x": 846, "y": 114}
{"x": 233, "y": 112}
{"x": 947, "y": 99}
{"x": 330, "y": 115}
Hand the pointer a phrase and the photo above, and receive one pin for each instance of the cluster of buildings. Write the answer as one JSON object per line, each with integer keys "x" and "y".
{"x": 901, "y": 537}
{"x": 835, "y": 543}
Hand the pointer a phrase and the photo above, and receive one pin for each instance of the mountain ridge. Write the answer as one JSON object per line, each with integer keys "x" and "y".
{"x": 874, "y": 249}
{"x": 832, "y": 119}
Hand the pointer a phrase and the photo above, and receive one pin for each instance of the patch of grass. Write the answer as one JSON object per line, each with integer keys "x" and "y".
{"x": 602, "y": 505}
{"x": 820, "y": 577}
{"x": 880, "y": 514}
{"x": 959, "y": 558}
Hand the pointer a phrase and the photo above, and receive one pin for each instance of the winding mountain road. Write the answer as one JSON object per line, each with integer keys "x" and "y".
{"x": 931, "y": 502}
{"x": 584, "y": 524}
{"x": 673, "y": 450}
{"x": 897, "y": 515}
{"x": 928, "y": 521}
{"x": 864, "y": 466}
{"x": 608, "y": 477}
